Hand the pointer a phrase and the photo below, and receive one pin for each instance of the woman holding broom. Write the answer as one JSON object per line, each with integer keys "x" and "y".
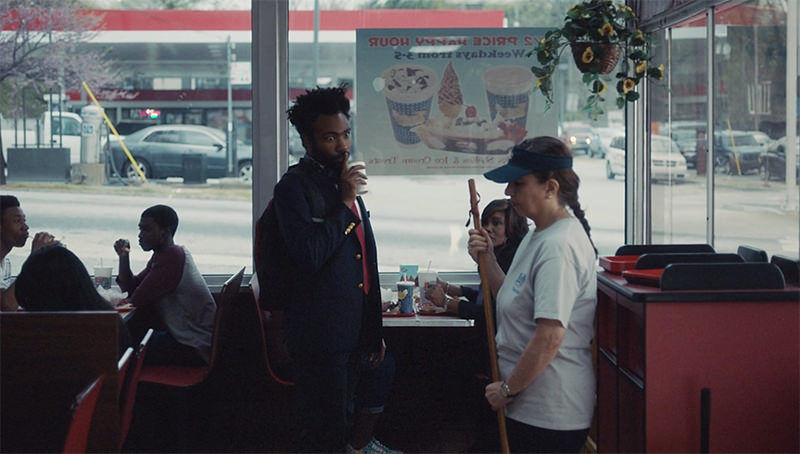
{"x": 545, "y": 304}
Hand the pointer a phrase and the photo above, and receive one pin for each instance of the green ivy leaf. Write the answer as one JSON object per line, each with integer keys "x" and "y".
{"x": 539, "y": 72}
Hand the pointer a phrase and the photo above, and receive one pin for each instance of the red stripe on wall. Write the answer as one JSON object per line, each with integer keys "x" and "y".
{"x": 144, "y": 20}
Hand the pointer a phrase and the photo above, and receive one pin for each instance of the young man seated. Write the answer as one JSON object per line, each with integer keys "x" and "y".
{"x": 14, "y": 233}
{"x": 170, "y": 294}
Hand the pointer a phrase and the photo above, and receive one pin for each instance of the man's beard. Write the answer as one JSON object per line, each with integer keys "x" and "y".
{"x": 330, "y": 162}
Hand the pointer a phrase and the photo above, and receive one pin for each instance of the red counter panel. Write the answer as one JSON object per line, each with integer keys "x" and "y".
{"x": 667, "y": 346}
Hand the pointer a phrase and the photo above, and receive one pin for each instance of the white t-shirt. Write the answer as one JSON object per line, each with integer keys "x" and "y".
{"x": 5, "y": 273}
{"x": 553, "y": 276}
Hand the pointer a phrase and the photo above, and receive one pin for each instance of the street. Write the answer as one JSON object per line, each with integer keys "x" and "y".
{"x": 417, "y": 219}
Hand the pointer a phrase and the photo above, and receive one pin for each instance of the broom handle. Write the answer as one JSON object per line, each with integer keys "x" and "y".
{"x": 489, "y": 314}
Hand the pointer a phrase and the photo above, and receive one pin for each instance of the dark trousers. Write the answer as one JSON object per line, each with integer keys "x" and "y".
{"x": 525, "y": 438}
{"x": 162, "y": 348}
{"x": 165, "y": 350}
{"x": 374, "y": 385}
{"x": 325, "y": 385}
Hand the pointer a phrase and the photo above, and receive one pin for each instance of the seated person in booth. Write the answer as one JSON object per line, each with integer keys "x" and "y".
{"x": 54, "y": 279}
{"x": 170, "y": 295}
{"x": 14, "y": 233}
{"x": 545, "y": 304}
{"x": 333, "y": 315}
{"x": 506, "y": 228}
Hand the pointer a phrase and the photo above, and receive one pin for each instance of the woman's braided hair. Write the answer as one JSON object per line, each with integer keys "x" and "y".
{"x": 568, "y": 180}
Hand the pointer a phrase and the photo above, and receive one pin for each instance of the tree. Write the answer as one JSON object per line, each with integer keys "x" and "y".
{"x": 40, "y": 51}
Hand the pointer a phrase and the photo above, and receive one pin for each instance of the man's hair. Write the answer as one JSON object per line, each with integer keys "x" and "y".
{"x": 164, "y": 216}
{"x": 7, "y": 201}
{"x": 313, "y": 103}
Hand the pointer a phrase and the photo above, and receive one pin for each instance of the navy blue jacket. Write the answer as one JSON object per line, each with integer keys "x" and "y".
{"x": 328, "y": 311}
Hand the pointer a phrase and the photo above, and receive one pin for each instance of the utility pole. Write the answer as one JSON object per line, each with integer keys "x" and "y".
{"x": 229, "y": 136}
{"x": 315, "y": 71}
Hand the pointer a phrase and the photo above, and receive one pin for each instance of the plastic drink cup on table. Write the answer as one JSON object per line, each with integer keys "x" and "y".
{"x": 427, "y": 279}
{"x": 102, "y": 276}
{"x": 405, "y": 296}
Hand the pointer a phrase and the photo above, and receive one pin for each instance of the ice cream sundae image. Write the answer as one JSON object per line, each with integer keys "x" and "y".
{"x": 408, "y": 89}
{"x": 460, "y": 128}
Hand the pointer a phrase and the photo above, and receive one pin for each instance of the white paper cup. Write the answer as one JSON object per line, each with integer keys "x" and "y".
{"x": 362, "y": 188}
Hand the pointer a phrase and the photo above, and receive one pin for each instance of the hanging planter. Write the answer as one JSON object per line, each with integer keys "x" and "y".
{"x": 595, "y": 57}
{"x": 599, "y": 33}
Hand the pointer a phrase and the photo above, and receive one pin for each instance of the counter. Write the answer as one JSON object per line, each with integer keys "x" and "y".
{"x": 658, "y": 349}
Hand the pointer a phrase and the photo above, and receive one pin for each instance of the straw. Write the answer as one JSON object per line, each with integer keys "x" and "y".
{"x": 429, "y": 264}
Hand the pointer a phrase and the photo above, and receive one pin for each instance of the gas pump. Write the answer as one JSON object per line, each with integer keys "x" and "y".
{"x": 91, "y": 169}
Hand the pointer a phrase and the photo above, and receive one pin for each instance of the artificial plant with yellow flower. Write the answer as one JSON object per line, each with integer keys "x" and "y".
{"x": 600, "y": 25}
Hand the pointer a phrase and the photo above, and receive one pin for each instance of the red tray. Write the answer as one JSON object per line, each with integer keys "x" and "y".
{"x": 651, "y": 277}
{"x": 397, "y": 314}
{"x": 433, "y": 313}
{"x": 618, "y": 263}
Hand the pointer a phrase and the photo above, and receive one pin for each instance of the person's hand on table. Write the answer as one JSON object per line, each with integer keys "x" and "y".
{"x": 495, "y": 397}
{"x": 436, "y": 295}
{"x": 122, "y": 247}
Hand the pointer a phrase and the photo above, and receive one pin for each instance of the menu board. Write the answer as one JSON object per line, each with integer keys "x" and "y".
{"x": 455, "y": 101}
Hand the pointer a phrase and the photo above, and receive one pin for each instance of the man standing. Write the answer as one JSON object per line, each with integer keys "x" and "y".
{"x": 170, "y": 294}
{"x": 14, "y": 233}
{"x": 333, "y": 315}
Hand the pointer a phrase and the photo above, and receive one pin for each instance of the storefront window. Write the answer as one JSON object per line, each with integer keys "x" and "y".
{"x": 751, "y": 203}
{"x": 751, "y": 192}
{"x": 678, "y": 113}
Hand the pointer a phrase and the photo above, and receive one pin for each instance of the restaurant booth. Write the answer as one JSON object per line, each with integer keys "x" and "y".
{"x": 696, "y": 349}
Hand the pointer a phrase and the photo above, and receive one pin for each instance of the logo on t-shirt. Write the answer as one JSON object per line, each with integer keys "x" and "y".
{"x": 519, "y": 283}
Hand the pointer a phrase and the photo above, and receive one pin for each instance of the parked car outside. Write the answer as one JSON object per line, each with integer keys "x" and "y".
{"x": 126, "y": 127}
{"x": 579, "y": 138}
{"x": 296, "y": 149}
{"x": 159, "y": 151}
{"x": 761, "y": 137}
{"x": 666, "y": 162}
{"x": 732, "y": 145}
{"x": 603, "y": 138}
{"x": 687, "y": 144}
{"x": 773, "y": 160}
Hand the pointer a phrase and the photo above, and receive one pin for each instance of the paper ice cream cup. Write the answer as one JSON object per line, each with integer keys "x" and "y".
{"x": 409, "y": 90}
{"x": 508, "y": 92}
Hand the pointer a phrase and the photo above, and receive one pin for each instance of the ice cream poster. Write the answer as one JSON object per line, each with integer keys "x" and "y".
{"x": 431, "y": 101}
